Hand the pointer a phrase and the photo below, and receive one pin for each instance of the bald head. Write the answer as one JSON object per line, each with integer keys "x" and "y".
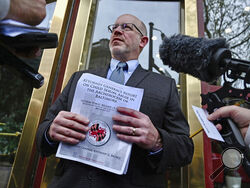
{"x": 136, "y": 21}
{"x": 127, "y": 43}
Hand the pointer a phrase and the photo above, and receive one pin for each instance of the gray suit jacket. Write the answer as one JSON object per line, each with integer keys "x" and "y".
{"x": 161, "y": 103}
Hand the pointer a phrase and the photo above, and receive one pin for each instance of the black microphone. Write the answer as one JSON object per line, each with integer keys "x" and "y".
{"x": 205, "y": 59}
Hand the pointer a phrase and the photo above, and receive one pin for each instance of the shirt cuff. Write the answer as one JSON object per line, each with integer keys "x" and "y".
{"x": 155, "y": 152}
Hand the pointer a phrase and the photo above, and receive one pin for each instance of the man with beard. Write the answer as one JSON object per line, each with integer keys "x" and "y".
{"x": 159, "y": 131}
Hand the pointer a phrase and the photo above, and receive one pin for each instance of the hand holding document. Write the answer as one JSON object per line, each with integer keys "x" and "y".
{"x": 207, "y": 125}
{"x": 97, "y": 99}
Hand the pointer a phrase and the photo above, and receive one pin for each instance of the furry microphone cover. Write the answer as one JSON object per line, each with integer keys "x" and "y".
{"x": 191, "y": 55}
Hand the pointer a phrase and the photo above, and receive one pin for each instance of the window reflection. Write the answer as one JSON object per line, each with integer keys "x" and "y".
{"x": 147, "y": 11}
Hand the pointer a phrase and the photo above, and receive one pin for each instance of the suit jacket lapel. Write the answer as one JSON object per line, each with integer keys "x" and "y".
{"x": 138, "y": 75}
{"x": 101, "y": 72}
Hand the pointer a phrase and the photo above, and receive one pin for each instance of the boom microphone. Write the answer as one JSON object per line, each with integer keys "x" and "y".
{"x": 205, "y": 59}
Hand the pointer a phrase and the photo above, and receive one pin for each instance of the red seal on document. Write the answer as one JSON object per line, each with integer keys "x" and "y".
{"x": 99, "y": 133}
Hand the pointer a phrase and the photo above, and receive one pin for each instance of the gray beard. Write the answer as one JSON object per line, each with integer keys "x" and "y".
{"x": 119, "y": 55}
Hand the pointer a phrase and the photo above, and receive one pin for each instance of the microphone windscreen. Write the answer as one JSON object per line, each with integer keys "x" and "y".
{"x": 191, "y": 55}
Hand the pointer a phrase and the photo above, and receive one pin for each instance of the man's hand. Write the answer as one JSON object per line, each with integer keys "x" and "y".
{"x": 137, "y": 128}
{"x": 240, "y": 115}
{"x": 68, "y": 127}
{"x": 31, "y": 12}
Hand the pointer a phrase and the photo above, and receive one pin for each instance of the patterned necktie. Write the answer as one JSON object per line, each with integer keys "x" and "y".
{"x": 118, "y": 74}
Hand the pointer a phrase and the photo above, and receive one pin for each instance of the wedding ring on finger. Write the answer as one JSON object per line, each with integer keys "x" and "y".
{"x": 133, "y": 131}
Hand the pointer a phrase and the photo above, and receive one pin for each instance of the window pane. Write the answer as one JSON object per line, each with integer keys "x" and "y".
{"x": 164, "y": 15}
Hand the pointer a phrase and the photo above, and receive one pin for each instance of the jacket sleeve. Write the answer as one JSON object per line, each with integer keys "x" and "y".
{"x": 177, "y": 146}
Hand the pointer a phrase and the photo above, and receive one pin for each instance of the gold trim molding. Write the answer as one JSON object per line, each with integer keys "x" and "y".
{"x": 191, "y": 89}
{"x": 81, "y": 38}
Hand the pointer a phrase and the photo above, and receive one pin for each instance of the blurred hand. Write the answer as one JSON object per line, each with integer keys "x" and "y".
{"x": 68, "y": 127}
{"x": 240, "y": 115}
{"x": 136, "y": 128}
{"x": 30, "y": 12}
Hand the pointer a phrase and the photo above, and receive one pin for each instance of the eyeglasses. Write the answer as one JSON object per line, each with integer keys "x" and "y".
{"x": 124, "y": 27}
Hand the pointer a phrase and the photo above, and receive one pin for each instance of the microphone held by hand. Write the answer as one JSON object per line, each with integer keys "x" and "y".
{"x": 205, "y": 59}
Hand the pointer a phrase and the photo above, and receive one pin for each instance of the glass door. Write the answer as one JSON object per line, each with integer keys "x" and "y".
{"x": 87, "y": 47}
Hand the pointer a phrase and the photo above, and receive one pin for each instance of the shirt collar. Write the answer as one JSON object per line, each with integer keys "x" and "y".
{"x": 132, "y": 64}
